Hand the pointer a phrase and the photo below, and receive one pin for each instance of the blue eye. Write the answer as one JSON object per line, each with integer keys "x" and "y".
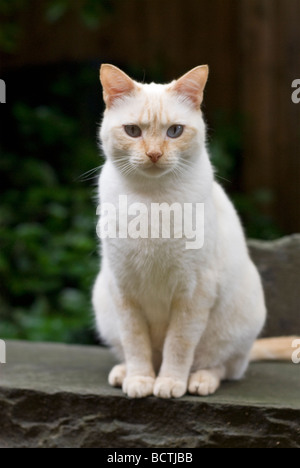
{"x": 133, "y": 131}
{"x": 175, "y": 131}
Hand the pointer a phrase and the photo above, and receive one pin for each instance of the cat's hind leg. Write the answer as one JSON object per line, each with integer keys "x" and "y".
{"x": 237, "y": 366}
{"x": 206, "y": 381}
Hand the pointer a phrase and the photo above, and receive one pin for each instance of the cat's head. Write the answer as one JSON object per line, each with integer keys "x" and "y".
{"x": 152, "y": 129}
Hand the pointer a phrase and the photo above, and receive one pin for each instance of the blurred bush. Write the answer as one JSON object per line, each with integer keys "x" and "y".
{"x": 48, "y": 255}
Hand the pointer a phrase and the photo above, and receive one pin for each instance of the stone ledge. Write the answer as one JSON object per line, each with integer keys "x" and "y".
{"x": 58, "y": 396}
{"x": 279, "y": 265}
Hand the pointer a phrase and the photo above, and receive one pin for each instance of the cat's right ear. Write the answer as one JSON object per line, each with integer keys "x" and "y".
{"x": 116, "y": 84}
{"x": 191, "y": 85}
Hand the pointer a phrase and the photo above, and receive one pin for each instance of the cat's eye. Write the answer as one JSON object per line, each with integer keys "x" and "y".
{"x": 133, "y": 131}
{"x": 175, "y": 131}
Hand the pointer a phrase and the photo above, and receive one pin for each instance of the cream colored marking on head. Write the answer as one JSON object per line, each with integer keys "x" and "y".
{"x": 154, "y": 108}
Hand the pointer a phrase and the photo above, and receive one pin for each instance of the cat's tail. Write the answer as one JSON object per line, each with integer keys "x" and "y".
{"x": 274, "y": 349}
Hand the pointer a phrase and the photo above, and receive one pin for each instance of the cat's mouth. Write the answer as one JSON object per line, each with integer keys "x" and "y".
{"x": 155, "y": 169}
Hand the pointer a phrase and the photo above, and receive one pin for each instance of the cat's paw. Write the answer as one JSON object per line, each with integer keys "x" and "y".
{"x": 166, "y": 387}
{"x": 138, "y": 386}
{"x": 203, "y": 383}
{"x": 117, "y": 375}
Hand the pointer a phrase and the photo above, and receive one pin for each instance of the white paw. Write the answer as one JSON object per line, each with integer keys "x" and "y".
{"x": 138, "y": 386}
{"x": 117, "y": 375}
{"x": 166, "y": 387}
{"x": 203, "y": 382}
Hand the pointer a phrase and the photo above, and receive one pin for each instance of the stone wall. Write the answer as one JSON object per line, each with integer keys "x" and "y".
{"x": 279, "y": 266}
{"x": 58, "y": 396}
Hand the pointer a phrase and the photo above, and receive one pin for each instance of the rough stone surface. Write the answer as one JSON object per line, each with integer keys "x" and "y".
{"x": 58, "y": 396}
{"x": 279, "y": 266}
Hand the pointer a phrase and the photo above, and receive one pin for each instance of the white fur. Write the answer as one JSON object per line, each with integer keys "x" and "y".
{"x": 169, "y": 312}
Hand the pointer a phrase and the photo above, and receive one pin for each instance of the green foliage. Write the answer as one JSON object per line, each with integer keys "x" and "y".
{"x": 10, "y": 31}
{"x": 48, "y": 253}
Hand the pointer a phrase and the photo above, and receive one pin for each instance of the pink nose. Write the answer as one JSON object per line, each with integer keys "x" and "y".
{"x": 154, "y": 155}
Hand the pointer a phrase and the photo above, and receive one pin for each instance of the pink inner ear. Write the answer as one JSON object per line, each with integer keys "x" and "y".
{"x": 192, "y": 84}
{"x": 190, "y": 90}
{"x": 116, "y": 83}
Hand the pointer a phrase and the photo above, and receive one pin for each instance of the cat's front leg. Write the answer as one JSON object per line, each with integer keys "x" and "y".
{"x": 188, "y": 323}
{"x": 135, "y": 338}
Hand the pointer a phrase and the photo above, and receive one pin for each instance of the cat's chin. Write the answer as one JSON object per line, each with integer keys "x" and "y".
{"x": 154, "y": 170}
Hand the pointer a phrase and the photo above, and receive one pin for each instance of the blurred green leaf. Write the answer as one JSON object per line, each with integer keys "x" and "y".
{"x": 9, "y": 35}
{"x": 56, "y": 9}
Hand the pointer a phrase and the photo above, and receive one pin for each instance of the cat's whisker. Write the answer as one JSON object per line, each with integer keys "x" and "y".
{"x": 126, "y": 168}
{"x": 93, "y": 177}
{"x": 223, "y": 178}
{"x": 125, "y": 171}
{"x": 181, "y": 168}
{"x": 89, "y": 174}
{"x": 122, "y": 166}
{"x": 122, "y": 163}
{"x": 177, "y": 173}
{"x": 186, "y": 164}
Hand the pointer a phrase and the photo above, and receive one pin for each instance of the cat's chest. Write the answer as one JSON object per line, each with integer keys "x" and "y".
{"x": 146, "y": 257}
{"x": 151, "y": 267}
{"x": 149, "y": 240}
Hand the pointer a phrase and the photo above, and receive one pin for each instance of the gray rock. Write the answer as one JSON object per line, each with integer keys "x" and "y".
{"x": 58, "y": 396}
{"x": 279, "y": 266}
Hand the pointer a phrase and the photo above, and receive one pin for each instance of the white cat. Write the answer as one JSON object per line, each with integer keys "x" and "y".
{"x": 179, "y": 320}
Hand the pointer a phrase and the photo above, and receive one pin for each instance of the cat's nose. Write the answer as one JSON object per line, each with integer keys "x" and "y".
{"x": 154, "y": 155}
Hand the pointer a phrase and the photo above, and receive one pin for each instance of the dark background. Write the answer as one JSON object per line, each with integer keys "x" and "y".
{"x": 50, "y": 53}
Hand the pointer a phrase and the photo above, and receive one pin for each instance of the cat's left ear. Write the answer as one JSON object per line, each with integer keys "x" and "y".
{"x": 116, "y": 84}
{"x": 192, "y": 84}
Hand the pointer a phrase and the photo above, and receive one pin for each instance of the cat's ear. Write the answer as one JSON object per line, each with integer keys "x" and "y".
{"x": 116, "y": 84}
{"x": 192, "y": 84}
